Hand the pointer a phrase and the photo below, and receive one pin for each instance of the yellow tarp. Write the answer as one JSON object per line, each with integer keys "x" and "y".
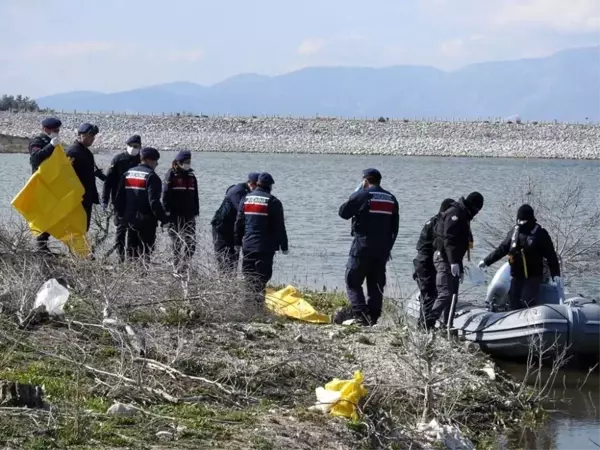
{"x": 51, "y": 202}
{"x": 288, "y": 302}
{"x": 340, "y": 397}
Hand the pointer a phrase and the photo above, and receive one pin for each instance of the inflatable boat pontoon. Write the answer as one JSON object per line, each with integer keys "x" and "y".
{"x": 559, "y": 323}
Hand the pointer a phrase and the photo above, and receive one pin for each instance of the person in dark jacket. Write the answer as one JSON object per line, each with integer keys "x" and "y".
{"x": 375, "y": 222}
{"x": 260, "y": 232}
{"x": 41, "y": 148}
{"x": 424, "y": 273}
{"x": 452, "y": 242}
{"x": 85, "y": 167}
{"x": 138, "y": 203}
{"x": 527, "y": 244}
{"x": 119, "y": 165}
{"x": 182, "y": 205}
{"x": 223, "y": 224}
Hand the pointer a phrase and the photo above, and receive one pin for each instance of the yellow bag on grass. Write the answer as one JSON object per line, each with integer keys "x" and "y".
{"x": 341, "y": 397}
{"x": 288, "y": 302}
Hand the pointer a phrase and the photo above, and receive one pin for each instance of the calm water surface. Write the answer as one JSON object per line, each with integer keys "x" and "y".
{"x": 312, "y": 187}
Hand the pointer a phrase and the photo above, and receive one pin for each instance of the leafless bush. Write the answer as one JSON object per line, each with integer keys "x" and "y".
{"x": 136, "y": 333}
{"x": 570, "y": 213}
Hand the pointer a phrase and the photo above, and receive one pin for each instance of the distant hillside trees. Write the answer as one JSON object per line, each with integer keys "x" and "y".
{"x": 18, "y": 103}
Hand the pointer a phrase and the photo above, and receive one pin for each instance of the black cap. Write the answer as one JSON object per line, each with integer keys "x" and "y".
{"x": 265, "y": 179}
{"x": 447, "y": 203}
{"x": 372, "y": 173}
{"x": 525, "y": 213}
{"x": 88, "y": 128}
{"x": 135, "y": 139}
{"x": 51, "y": 122}
{"x": 183, "y": 155}
{"x": 253, "y": 177}
{"x": 150, "y": 153}
{"x": 474, "y": 201}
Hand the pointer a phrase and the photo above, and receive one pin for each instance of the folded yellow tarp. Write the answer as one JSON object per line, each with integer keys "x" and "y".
{"x": 288, "y": 302}
{"x": 51, "y": 202}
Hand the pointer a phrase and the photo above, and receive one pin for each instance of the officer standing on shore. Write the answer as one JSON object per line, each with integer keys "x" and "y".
{"x": 119, "y": 165}
{"x": 452, "y": 240}
{"x": 85, "y": 167}
{"x": 375, "y": 222}
{"x": 182, "y": 205}
{"x": 138, "y": 203}
{"x": 424, "y": 273}
{"x": 223, "y": 224}
{"x": 527, "y": 245}
{"x": 260, "y": 231}
{"x": 41, "y": 148}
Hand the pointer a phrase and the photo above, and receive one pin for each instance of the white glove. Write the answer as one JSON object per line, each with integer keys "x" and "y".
{"x": 54, "y": 141}
{"x": 455, "y": 269}
{"x": 285, "y": 252}
{"x": 482, "y": 265}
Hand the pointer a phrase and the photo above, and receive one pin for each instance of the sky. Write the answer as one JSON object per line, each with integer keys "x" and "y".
{"x": 48, "y": 47}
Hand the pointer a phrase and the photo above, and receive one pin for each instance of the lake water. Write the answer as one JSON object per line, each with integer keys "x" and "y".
{"x": 312, "y": 187}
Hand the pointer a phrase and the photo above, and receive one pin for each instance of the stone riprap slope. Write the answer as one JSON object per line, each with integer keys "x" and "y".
{"x": 328, "y": 135}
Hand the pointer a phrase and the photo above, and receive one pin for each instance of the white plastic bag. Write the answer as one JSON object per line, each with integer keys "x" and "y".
{"x": 53, "y": 296}
{"x": 475, "y": 275}
{"x": 326, "y": 399}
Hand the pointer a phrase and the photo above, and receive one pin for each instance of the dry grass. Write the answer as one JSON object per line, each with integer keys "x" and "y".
{"x": 196, "y": 360}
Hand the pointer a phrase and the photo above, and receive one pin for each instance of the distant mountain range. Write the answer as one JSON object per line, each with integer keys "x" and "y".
{"x": 564, "y": 87}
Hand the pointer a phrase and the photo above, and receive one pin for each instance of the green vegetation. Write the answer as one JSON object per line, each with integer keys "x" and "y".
{"x": 18, "y": 103}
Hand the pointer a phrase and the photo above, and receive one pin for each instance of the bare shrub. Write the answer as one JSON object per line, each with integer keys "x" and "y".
{"x": 570, "y": 213}
{"x": 175, "y": 346}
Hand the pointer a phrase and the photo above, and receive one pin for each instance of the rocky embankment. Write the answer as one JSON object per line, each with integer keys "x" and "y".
{"x": 328, "y": 135}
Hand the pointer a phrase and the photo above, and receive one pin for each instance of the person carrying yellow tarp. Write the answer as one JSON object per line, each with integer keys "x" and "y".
{"x": 40, "y": 149}
{"x": 51, "y": 201}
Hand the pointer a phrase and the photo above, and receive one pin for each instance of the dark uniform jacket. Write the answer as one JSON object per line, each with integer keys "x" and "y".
{"x": 535, "y": 243}
{"x": 260, "y": 225}
{"x": 138, "y": 197}
{"x": 180, "y": 194}
{"x": 375, "y": 221}
{"x": 223, "y": 222}
{"x": 120, "y": 164}
{"x": 40, "y": 149}
{"x": 425, "y": 248}
{"x": 87, "y": 171}
{"x": 453, "y": 232}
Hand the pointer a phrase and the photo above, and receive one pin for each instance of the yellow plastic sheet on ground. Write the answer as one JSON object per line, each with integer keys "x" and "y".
{"x": 288, "y": 302}
{"x": 341, "y": 397}
{"x": 51, "y": 202}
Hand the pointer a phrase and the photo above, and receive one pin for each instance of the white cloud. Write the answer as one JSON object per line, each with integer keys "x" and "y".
{"x": 575, "y": 16}
{"x": 311, "y": 46}
{"x": 66, "y": 50}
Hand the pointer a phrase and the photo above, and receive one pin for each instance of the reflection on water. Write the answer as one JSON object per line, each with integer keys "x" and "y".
{"x": 574, "y": 406}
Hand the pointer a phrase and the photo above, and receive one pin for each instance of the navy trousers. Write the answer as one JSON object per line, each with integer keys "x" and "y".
{"x": 371, "y": 269}
{"x": 257, "y": 269}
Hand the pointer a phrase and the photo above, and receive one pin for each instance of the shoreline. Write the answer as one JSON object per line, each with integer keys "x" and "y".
{"x": 330, "y": 136}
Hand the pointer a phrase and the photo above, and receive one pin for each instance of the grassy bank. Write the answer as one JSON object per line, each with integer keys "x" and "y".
{"x": 13, "y": 144}
{"x": 202, "y": 369}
